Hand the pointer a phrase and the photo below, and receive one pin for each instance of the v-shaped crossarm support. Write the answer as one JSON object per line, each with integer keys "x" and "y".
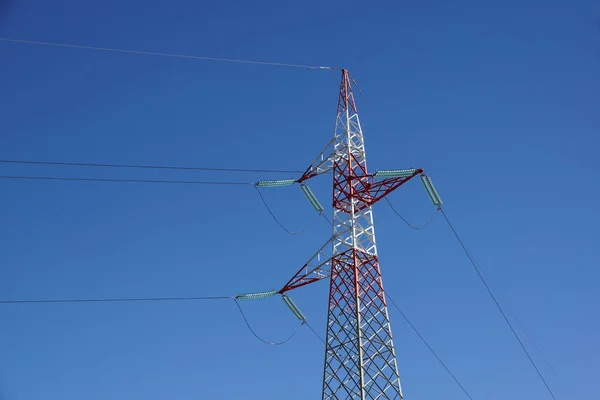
{"x": 323, "y": 163}
{"x": 316, "y": 268}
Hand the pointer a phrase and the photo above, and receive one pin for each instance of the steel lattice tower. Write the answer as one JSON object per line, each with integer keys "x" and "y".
{"x": 360, "y": 360}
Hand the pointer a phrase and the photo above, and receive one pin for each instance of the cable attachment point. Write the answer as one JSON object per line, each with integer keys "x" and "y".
{"x": 292, "y": 306}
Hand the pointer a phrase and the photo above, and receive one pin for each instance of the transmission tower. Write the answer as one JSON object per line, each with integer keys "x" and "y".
{"x": 360, "y": 359}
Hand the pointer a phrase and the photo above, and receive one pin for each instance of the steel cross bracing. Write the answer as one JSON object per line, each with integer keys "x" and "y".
{"x": 360, "y": 360}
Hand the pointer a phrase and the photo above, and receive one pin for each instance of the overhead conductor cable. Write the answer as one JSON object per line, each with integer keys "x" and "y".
{"x": 152, "y": 53}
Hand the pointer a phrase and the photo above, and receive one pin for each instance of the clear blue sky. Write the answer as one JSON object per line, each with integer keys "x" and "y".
{"x": 498, "y": 101}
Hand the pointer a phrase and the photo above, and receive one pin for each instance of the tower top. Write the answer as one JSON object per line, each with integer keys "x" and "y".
{"x": 346, "y": 97}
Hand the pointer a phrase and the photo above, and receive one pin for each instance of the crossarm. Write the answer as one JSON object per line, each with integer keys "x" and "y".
{"x": 316, "y": 268}
{"x": 377, "y": 190}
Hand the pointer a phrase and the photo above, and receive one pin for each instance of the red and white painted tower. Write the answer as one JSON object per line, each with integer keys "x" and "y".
{"x": 360, "y": 359}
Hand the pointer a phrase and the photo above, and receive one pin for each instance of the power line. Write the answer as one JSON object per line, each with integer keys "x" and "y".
{"x": 535, "y": 346}
{"x": 315, "y": 332}
{"x": 504, "y": 303}
{"x": 334, "y": 354}
{"x": 489, "y": 290}
{"x": 309, "y": 224}
{"x": 417, "y": 228}
{"x": 327, "y": 219}
{"x": 414, "y": 328}
{"x": 57, "y": 178}
{"x": 257, "y": 336}
{"x": 168, "y": 167}
{"x": 114, "y": 300}
{"x": 151, "y": 53}
{"x": 273, "y": 215}
{"x": 151, "y": 299}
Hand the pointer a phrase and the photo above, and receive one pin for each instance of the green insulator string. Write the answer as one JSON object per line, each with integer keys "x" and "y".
{"x": 433, "y": 194}
{"x": 276, "y": 183}
{"x": 256, "y": 296}
{"x": 394, "y": 173}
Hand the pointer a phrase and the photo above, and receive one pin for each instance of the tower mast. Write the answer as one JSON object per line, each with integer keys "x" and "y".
{"x": 360, "y": 360}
